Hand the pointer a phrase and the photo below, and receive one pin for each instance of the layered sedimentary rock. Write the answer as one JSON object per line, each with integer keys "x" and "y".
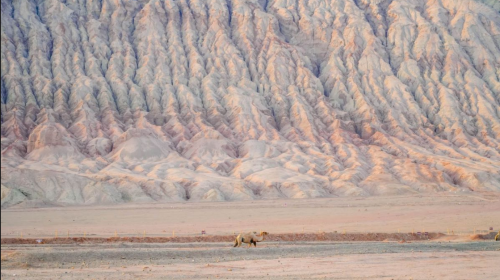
{"x": 140, "y": 101}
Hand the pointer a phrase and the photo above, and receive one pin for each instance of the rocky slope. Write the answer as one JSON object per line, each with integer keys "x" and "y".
{"x": 119, "y": 100}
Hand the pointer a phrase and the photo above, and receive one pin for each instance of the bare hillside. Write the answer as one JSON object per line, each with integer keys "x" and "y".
{"x": 119, "y": 101}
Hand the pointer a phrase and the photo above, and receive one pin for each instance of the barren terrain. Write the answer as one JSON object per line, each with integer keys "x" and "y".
{"x": 460, "y": 213}
{"x": 157, "y": 119}
{"x": 292, "y": 260}
{"x": 113, "y": 102}
{"x": 455, "y": 256}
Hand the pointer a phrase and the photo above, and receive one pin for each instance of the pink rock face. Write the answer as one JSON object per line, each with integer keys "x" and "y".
{"x": 114, "y": 102}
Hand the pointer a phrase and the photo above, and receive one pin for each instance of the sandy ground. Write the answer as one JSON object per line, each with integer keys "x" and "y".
{"x": 270, "y": 260}
{"x": 433, "y": 213}
{"x": 436, "y": 213}
{"x": 462, "y": 258}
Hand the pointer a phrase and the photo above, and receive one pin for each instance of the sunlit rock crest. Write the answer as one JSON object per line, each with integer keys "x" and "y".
{"x": 115, "y": 101}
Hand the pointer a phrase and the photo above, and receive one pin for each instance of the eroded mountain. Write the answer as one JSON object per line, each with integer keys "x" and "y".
{"x": 116, "y": 101}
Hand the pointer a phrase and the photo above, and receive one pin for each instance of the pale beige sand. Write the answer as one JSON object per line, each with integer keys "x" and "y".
{"x": 439, "y": 259}
{"x": 436, "y": 213}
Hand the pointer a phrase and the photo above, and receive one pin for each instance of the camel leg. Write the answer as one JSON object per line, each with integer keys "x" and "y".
{"x": 238, "y": 241}
{"x": 255, "y": 244}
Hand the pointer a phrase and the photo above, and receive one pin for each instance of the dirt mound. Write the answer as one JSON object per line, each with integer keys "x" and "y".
{"x": 489, "y": 236}
{"x": 476, "y": 237}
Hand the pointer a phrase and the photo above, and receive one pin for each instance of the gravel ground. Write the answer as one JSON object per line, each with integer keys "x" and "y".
{"x": 277, "y": 260}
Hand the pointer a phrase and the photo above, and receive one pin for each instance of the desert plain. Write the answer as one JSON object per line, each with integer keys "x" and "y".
{"x": 457, "y": 252}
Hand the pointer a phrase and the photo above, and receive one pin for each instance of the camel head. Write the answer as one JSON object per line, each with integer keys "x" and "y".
{"x": 263, "y": 233}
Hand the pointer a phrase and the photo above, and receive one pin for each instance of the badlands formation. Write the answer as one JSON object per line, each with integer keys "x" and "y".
{"x": 119, "y": 101}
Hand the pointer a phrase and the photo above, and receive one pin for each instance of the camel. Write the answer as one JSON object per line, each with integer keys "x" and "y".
{"x": 250, "y": 238}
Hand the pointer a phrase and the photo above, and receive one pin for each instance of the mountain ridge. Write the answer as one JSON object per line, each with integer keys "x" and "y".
{"x": 142, "y": 101}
